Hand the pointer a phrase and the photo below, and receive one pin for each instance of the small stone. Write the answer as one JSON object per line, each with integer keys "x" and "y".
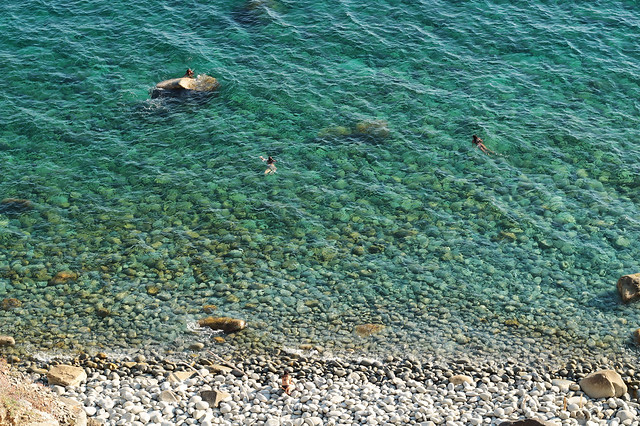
{"x": 366, "y": 330}
{"x": 102, "y": 312}
{"x": 197, "y": 346}
{"x": 214, "y": 397}
{"x": 460, "y": 379}
{"x": 168, "y": 397}
{"x": 562, "y": 384}
{"x": 179, "y": 376}
{"x": 219, "y": 369}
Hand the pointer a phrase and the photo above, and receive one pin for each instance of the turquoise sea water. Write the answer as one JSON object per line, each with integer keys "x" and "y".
{"x": 381, "y": 210}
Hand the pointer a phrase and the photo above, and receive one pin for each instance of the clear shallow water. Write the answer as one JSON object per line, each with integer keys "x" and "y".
{"x": 161, "y": 206}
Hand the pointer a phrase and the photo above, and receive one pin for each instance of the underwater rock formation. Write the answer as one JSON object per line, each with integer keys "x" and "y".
{"x": 253, "y": 12}
{"x": 15, "y": 205}
{"x": 375, "y": 129}
{"x": 226, "y": 324}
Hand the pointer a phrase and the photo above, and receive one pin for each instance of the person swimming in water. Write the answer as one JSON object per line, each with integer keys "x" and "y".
{"x": 480, "y": 144}
{"x": 271, "y": 167}
{"x": 188, "y": 74}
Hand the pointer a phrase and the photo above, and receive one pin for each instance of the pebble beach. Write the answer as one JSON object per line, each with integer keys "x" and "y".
{"x": 207, "y": 389}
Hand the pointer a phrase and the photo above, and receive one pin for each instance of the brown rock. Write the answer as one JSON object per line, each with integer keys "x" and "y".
{"x": 603, "y": 384}
{"x": 219, "y": 369}
{"x": 214, "y": 397}
{"x": 629, "y": 287}
{"x": 168, "y": 396}
{"x": 7, "y": 341}
{"x": 66, "y": 375}
{"x": 208, "y": 309}
{"x": 63, "y": 277}
{"x": 226, "y": 324}
{"x": 179, "y": 376}
{"x": 102, "y": 312}
{"x": 76, "y": 411}
{"x": 460, "y": 379}
{"x": 636, "y": 336}
{"x": 366, "y": 330}
{"x": 10, "y": 303}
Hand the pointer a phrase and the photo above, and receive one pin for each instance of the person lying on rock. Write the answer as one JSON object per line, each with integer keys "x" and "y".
{"x": 287, "y": 384}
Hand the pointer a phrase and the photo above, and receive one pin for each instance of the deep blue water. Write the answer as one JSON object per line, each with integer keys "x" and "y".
{"x": 381, "y": 211}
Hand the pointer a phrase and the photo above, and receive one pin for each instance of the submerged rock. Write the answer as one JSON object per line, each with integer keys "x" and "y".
{"x": 226, "y": 324}
{"x": 373, "y": 128}
{"x": 629, "y": 287}
{"x": 377, "y": 129}
{"x": 603, "y": 384}
{"x": 366, "y": 330}
{"x": 253, "y": 12}
{"x": 15, "y": 205}
{"x": 63, "y": 277}
{"x": 7, "y": 341}
{"x": 10, "y": 303}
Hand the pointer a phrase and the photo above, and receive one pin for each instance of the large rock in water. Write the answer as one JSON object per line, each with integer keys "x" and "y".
{"x": 66, "y": 375}
{"x": 178, "y": 86}
{"x": 629, "y": 287}
{"x": 226, "y": 324}
{"x": 603, "y": 384}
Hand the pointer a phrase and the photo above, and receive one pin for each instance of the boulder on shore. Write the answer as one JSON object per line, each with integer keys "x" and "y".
{"x": 629, "y": 287}
{"x": 603, "y": 384}
{"x": 66, "y": 375}
{"x": 226, "y": 324}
